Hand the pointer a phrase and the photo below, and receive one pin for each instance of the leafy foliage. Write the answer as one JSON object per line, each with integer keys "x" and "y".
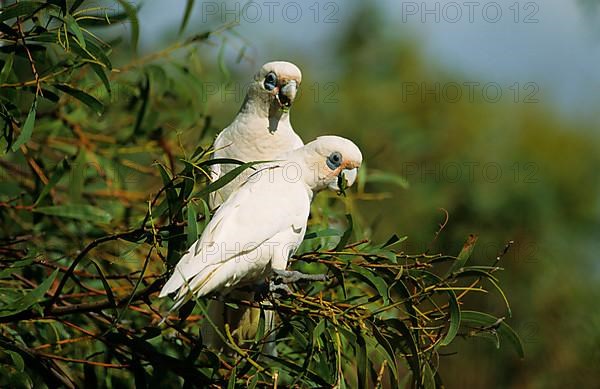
{"x": 101, "y": 195}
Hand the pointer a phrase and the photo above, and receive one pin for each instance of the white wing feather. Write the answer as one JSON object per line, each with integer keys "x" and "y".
{"x": 261, "y": 222}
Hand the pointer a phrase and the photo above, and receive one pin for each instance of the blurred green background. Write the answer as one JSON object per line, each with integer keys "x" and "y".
{"x": 492, "y": 117}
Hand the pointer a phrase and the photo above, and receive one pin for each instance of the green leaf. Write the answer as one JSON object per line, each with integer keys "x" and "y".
{"x": 499, "y": 289}
{"x": 347, "y": 234}
{"x": 93, "y": 51}
{"x": 400, "y": 287}
{"x": 108, "y": 19}
{"x": 232, "y": 305}
{"x": 46, "y": 37}
{"x": 186, "y": 16}
{"x": 57, "y": 174}
{"x": 317, "y": 331}
{"x": 177, "y": 238}
{"x": 374, "y": 280}
{"x": 103, "y": 77}
{"x": 77, "y": 177}
{"x": 158, "y": 78}
{"x": 362, "y": 362}
{"x": 17, "y": 359}
{"x": 388, "y": 350}
{"x": 82, "y": 96}
{"x": 454, "y": 319}
{"x": 192, "y": 232}
{"x": 75, "y": 6}
{"x": 106, "y": 285}
{"x": 301, "y": 337}
{"x": 15, "y": 266}
{"x": 25, "y": 302}
{"x": 131, "y": 12}
{"x": 464, "y": 254}
{"x": 20, "y": 9}
{"x": 206, "y": 212}
{"x": 187, "y": 185}
{"x": 6, "y": 69}
{"x": 327, "y": 232}
{"x": 408, "y": 343}
{"x": 394, "y": 239}
{"x": 498, "y": 325}
{"x": 170, "y": 191}
{"x": 60, "y": 3}
{"x": 74, "y": 27}
{"x": 232, "y": 378}
{"x": 428, "y": 378}
{"x": 27, "y": 128}
{"x": 79, "y": 212}
{"x": 260, "y": 328}
{"x": 226, "y": 179}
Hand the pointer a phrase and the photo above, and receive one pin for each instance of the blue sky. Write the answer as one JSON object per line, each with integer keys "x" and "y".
{"x": 554, "y": 43}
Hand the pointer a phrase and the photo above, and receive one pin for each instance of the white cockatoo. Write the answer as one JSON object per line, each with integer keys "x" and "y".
{"x": 261, "y": 131}
{"x": 260, "y": 226}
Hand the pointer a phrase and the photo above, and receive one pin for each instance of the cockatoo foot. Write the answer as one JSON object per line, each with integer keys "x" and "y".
{"x": 292, "y": 276}
{"x": 279, "y": 288}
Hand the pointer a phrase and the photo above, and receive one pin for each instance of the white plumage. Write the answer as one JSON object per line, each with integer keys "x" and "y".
{"x": 262, "y": 224}
{"x": 254, "y": 230}
{"x": 261, "y": 130}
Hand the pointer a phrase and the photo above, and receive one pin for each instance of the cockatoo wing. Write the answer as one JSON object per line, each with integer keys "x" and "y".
{"x": 261, "y": 222}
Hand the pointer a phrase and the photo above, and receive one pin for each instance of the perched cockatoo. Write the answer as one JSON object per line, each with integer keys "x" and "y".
{"x": 261, "y": 131}
{"x": 260, "y": 226}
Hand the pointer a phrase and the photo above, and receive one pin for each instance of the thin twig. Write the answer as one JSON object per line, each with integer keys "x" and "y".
{"x": 38, "y": 88}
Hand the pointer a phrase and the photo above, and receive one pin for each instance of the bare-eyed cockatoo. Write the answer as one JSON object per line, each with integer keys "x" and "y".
{"x": 261, "y": 130}
{"x": 260, "y": 226}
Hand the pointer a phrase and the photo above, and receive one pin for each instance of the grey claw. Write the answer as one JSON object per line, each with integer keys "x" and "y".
{"x": 291, "y": 276}
{"x": 278, "y": 288}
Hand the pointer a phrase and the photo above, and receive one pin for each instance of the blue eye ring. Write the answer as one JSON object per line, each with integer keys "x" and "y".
{"x": 270, "y": 81}
{"x": 334, "y": 160}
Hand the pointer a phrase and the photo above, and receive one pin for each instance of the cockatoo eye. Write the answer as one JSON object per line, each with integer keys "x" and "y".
{"x": 270, "y": 81}
{"x": 334, "y": 160}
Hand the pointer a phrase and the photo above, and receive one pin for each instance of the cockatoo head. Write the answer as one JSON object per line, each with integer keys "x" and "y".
{"x": 277, "y": 82}
{"x": 332, "y": 162}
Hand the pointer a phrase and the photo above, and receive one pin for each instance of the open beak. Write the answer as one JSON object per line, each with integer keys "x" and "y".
{"x": 345, "y": 179}
{"x": 287, "y": 94}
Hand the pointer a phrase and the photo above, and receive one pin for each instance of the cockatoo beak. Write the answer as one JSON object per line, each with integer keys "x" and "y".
{"x": 287, "y": 94}
{"x": 346, "y": 178}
